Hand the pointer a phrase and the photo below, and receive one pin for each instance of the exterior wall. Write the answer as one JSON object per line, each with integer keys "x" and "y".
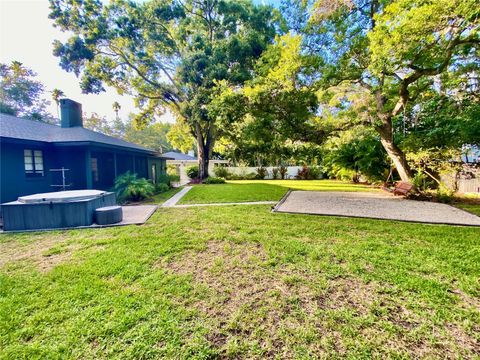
{"x": 13, "y": 180}
{"x": 112, "y": 162}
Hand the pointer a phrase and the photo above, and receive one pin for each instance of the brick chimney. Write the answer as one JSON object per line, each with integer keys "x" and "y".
{"x": 70, "y": 113}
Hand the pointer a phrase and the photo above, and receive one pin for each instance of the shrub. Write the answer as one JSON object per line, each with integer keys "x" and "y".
{"x": 172, "y": 169}
{"x": 174, "y": 178}
{"x": 444, "y": 194}
{"x": 214, "y": 180}
{"x": 221, "y": 172}
{"x": 261, "y": 173}
{"x": 275, "y": 173}
{"x": 303, "y": 173}
{"x": 161, "y": 187}
{"x": 283, "y": 170}
{"x": 421, "y": 182}
{"x": 128, "y": 187}
{"x": 163, "y": 179}
{"x": 315, "y": 172}
{"x": 192, "y": 171}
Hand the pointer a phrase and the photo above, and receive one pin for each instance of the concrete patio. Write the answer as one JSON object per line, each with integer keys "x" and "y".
{"x": 375, "y": 206}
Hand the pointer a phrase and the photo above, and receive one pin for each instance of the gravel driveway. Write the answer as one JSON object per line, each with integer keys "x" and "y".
{"x": 374, "y": 205}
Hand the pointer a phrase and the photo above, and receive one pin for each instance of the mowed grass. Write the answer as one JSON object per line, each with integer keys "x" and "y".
{"x": 262, "y": 190}
{"x": 242, "y": 282}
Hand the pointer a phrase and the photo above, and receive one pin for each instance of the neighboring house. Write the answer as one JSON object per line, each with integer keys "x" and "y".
{"x": 182, "y": 161}
{"x": 31, "y": 151}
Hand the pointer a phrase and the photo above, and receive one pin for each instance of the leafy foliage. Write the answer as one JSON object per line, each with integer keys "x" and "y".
{"x": 354, "y": 153}
{"x": 261, "y": 173}
{"x": 221, "y": 171}
{"x": 161, "y": 188}
{"x": 21, "y": 94}
{"x": 164, "y": 53}
{"x": 214, "y": 180}
{"x": 128, "y": 187}
{"x": 192, "y": 171}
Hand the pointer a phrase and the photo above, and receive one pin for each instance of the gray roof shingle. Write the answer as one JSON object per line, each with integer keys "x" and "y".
{"x": 18, "y": 128}
{"x": 179, "y": 156}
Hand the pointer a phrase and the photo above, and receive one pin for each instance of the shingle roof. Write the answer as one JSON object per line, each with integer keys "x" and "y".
{"x": 179, "y": 156}
{"x": 18, "y": 128}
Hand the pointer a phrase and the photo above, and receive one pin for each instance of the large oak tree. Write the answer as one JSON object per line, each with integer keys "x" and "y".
{"x": 165, "y": 53}
{"x": 388, "y": 52}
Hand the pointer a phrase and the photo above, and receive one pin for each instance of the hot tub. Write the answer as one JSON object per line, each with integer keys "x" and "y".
{"x": 60, "y": 209}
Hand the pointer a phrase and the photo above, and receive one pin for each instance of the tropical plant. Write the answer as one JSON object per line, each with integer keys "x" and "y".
{"x": 275, "y": 173}
{"x": 57, "y": 94}
{"x": 192, "y": 172}
{"x": 261, "y": 173}
{"x": 222, "y": 172}
{"x": 128, "y": 187}
{"x": 283, "y": 170}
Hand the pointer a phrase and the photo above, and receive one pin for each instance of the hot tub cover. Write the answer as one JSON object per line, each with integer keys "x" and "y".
{"x": 61, "y": 196}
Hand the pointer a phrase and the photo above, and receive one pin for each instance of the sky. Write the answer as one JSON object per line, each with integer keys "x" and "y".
{"x": 27, "y": 34}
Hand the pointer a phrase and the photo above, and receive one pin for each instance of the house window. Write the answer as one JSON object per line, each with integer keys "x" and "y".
{"x": 33, "y": 160}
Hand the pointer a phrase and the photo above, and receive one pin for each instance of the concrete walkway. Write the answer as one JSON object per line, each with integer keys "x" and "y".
{"x": 374, "y": 205}
{"x": 176, "y": 198}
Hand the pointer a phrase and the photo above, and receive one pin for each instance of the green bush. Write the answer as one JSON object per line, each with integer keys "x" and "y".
{"x": 174, "y": 178}
{"x": 163, "y": 179}
{"x": 315, "y": 172}
{"x": 444, "y": 194}
{"x": 128, "y": 187}
{"x": 221, "y": 172}
{"x": 161, "y": 187}
{"x": 283, "y": 170}
{"x": 261, "y": 173}
{"x": 192, "y": 171}
{"x": 214, "y": 180}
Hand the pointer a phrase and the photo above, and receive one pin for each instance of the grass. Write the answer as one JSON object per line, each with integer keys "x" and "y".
{"x": 262, "y": 190}
{"x": 472, "y": 208}
{"x": 162, "y": 197}
{"x": 242, "y": 282}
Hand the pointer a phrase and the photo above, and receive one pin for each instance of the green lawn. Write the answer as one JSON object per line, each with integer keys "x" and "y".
{"x": 242, "y": 282}
{"x": 262, "y": 190}
{"x": 473, "y": 208}
{"x": 162, "y": 197}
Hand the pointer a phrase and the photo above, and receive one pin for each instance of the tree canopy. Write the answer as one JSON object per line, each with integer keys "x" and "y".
{"x": 164, "y": 53}
{"x": 21, "y": 94}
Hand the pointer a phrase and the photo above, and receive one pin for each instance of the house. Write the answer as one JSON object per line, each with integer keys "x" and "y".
{"x": 182, "y": 161}
{"x": 32, "y": 155}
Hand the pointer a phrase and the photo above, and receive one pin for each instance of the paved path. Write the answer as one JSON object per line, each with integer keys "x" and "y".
{"x": 374, "y": 205}
{"x": 176, "y": 198}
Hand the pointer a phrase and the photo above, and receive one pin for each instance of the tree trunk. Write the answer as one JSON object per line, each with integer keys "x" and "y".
{"x": 204, "y": 145}
{"x": 203, "y": 160}
{"x": 394, "y": 152}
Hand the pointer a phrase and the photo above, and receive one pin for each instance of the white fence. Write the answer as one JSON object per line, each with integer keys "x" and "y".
{"x": 291, "y": 171}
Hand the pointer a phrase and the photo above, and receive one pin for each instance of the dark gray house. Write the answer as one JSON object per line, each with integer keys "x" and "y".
{"x": 32, "y": 152}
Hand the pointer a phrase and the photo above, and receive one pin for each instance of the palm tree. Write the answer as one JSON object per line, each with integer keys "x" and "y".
{"x": 116, "y": 107}
{"x": 56, "y": 95}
